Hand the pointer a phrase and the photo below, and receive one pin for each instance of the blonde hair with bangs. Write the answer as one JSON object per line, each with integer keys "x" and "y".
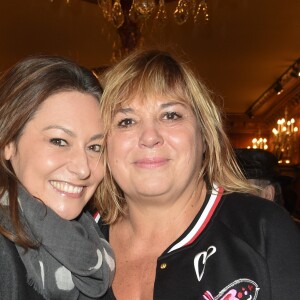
{"x": 156, "y": 72}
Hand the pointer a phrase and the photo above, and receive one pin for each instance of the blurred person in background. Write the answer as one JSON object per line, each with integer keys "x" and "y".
{"x": 260, "y": 167}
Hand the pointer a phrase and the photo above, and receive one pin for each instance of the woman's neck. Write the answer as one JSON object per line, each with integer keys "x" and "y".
{"x": 149, "y": 219}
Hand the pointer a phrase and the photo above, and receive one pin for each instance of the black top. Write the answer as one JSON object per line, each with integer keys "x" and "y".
{"x": 13, "y": 280}
{"x": 237, "y": 247}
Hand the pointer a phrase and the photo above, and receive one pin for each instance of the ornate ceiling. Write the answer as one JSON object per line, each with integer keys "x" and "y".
{"x": 244, "y": 48}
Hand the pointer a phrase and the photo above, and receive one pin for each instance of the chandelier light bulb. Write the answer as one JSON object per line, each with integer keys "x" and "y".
{"x": 285, "y": 139}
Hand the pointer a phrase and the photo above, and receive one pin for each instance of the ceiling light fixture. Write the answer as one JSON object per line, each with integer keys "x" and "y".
{"x": 281, "y": 84}
{"x": 278, "y": 88}
{"x": 295, "y": 71}
{"x": 128, "y": 17}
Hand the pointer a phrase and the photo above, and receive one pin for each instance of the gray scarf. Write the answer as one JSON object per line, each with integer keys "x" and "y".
{"x": 73, "y": 261}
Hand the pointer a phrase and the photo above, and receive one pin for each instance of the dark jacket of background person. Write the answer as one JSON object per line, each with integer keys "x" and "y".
{"x": 261, "y": 168}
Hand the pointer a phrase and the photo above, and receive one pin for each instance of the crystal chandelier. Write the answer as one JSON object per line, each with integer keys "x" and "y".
{"x": 141, "y": 10}
{"x": 129, "y": 16}
{"x": 285, "y": 139}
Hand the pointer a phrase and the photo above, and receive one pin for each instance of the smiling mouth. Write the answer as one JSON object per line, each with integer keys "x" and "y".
{"x": 151, "y": 163}
{"x": 66, "y": 187}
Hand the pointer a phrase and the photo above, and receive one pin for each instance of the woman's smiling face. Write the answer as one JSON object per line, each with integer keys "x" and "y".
{"x": 155, "y": 148}
{"x": 57, "y": 157}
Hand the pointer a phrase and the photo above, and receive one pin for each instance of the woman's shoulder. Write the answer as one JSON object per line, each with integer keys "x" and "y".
{"x": 253, "y": 206}
{"x": 252, "y": 216}
{"x": 9, "y": 251}
{"x": 12, "y": 269}
{"x": 13, "y": 279}
{"x": 261, "y": 224}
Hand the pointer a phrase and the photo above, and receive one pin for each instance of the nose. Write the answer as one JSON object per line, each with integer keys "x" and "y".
{"x": 150, "y": 136}
{"x": 79, "y": 164}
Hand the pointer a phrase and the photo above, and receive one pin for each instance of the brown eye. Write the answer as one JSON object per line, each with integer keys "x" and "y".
{"x": 125, "y": 122}
{"x": 95, "y": 148}
{"x": 58, "y": 142}
{"x": 171, "y": 116}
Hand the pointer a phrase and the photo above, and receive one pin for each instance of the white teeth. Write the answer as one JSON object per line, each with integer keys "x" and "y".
{"x": 66, "y": 187}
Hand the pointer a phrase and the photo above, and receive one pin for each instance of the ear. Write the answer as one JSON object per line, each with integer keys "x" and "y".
{"x": 9, "y": 150}
{"x": 268, "y": 192}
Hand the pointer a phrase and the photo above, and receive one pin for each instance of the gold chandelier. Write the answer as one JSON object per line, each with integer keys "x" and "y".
{"x": 128, "y": 17}
{"x": 285, "y": 139}
{"x": 259, "y": 143}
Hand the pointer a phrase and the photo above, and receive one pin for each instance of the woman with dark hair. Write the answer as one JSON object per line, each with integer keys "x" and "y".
{"x": 51, "y": 165}
{"x": 176, "y": 208}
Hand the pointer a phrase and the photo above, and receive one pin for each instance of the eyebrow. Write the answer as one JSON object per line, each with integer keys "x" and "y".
{"x": 163, "y": 105}
{"x": 124, "y": 110}
{"x": 71, "y": 133}
{"x": 172, "y": 103}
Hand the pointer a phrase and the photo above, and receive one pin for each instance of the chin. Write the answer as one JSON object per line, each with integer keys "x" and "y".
{"x": 69, "y": 215}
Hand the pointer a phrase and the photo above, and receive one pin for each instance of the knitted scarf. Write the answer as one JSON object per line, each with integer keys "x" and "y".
{"x": 72, "y": 261}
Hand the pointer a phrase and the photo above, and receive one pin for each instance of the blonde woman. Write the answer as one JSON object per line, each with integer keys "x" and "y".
{"x": 175, "y": 207}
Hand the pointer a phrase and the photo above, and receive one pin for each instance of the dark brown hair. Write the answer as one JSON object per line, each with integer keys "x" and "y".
{"x": 23, "y": 88}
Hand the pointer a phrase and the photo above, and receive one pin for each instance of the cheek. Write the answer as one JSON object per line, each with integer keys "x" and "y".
{"x": 50, "y": 162}
{"x": 190, "y": 147}
{"x": 186, "y": 141}
{"x": 118, "y": 146}
{"x": 98, "y": 172}
{"x": 33, "y": 170}
{"x": 117, "y": 158}
{"x": 24, "y": 167}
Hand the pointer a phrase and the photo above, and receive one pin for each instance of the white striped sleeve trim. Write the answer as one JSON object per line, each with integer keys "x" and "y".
{"x": 203, "y": 219}
{"x": 96, "y": 217}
